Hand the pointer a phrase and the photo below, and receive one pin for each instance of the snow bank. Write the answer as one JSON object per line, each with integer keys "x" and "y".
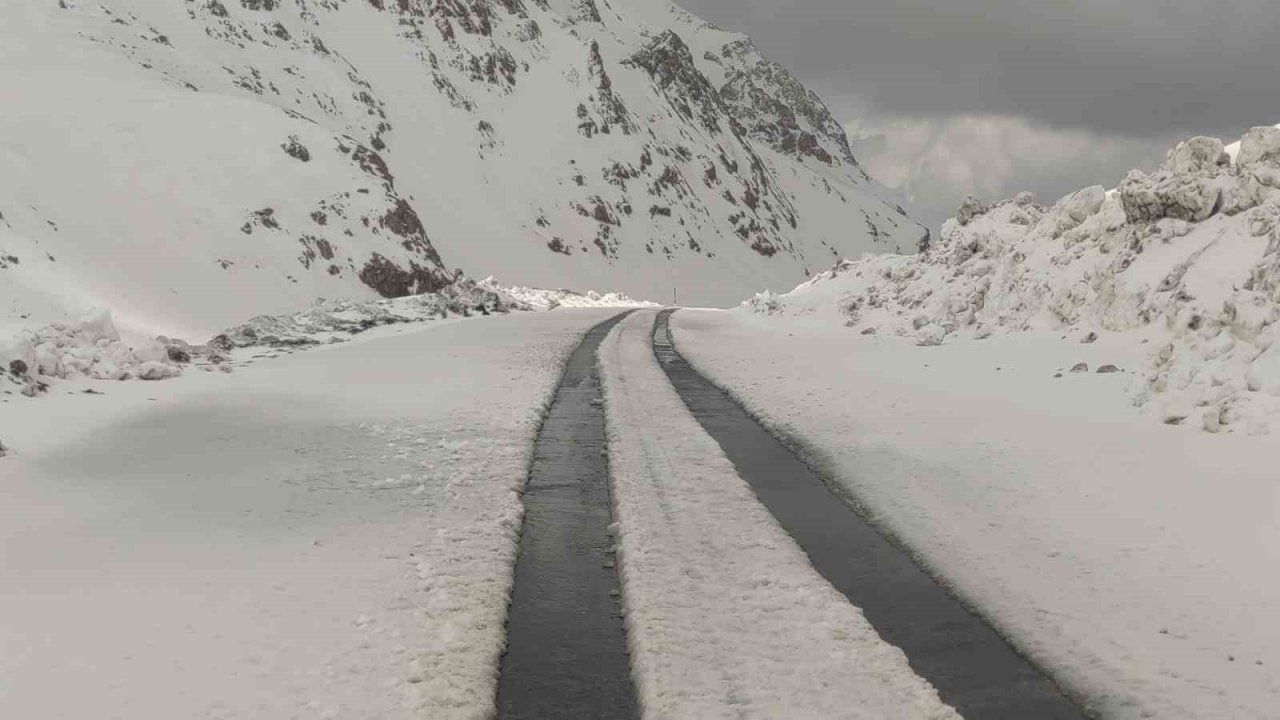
{"x": 1184, "y": 259}
{"x": 726, "y": 617}
{"x": 329, "y": 321}
{"x": 92, "y": 347}
{"x": 89, "y": 348}
{"x": 551, "y": 299}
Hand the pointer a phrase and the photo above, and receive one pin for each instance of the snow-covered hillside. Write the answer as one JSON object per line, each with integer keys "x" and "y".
{"x": 191, "y": 163}
{"x": 1184, "y": 261}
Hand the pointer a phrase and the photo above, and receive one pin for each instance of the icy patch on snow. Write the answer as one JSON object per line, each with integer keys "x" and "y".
{"x": 543, "y": 299}
{"x": 1185, "y": 260}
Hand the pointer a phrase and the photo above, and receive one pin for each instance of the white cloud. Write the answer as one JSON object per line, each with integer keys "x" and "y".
{"x": 935, "y": 163}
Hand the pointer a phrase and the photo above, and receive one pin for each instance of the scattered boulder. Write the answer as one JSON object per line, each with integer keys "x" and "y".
{"x": 1149, "y": 198}
{"x": 971, "y": 208}
{"x": 1080, "y": 368}
{"x": 931, "y": 336}
{"x": 1090, "y": 339}
{"x": 1108, "y": 370}
{"x": 178, "y": 354}
{"x": 295, "y": 149}
{"x": 155, "y": 370}
{"x": 1261, "y": 144}
{"x": 1198, "y": 154}
{"x": 18, "y": 368}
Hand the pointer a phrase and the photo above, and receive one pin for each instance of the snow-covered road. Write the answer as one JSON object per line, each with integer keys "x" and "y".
{"x": 327, "y": 535}
{"x": 332, "y": 534}
{"x": 1132, "y": 560}
{"x": 726, "y": 618}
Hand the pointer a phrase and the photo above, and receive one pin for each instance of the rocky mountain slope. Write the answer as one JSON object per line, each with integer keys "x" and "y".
{"x": 191, "y": 163}
{"x": 1182, "y": 263}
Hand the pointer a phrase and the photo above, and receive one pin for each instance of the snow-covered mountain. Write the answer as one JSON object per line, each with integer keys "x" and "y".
{"x": 192, "y": 163}
{"x": 1183, "y": 264}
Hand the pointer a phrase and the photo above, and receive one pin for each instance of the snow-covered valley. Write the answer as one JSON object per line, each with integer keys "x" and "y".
{"x": 188, "y": 165}
{"x": 267, "y": 442}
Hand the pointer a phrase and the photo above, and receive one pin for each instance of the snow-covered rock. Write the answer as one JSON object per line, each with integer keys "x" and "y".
{"x": 90, "y": 348}
{"x": 190, "y": 164}
{"x": 1185, "y": 259}
{"x": 542, "y": 299}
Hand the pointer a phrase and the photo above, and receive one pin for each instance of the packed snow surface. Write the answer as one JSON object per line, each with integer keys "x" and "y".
{"x": 1132, "y": 560}
{"x": 726, "y": 618}
{"x": 325, "y": 535}
{"x": 1184, "y": 262}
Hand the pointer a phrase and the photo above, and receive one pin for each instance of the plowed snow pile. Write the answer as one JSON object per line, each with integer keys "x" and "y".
{"x": 30, "y": 360}
{"x": 551, "y": 299}
{"x": 1184, "y": 260}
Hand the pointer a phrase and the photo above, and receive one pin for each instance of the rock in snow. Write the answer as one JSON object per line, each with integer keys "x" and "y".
{"x": 1187, "y": 257}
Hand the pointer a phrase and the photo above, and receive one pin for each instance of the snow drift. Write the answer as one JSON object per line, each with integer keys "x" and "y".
{"x": 1185, "y": 259}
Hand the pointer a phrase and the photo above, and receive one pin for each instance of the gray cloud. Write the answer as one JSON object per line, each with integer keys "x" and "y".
{"x": 935, "y": 162}
{"x": 1128, "y": 68}
{"x": 989, "y": 97}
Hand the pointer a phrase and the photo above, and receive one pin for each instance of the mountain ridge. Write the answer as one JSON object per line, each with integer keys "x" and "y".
{"x": 253, "y": 155}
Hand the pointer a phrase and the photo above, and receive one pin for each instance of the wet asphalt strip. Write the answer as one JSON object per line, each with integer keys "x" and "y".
{"x": 566, "y": 643}
{"x": 973, "y": 668}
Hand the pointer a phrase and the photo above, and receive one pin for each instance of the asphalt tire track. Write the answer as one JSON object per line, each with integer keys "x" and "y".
{"x": 972, "y": 667}
{"x": 566, "y": 643}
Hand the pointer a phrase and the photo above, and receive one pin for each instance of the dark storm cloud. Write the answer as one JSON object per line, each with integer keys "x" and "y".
{"x": 1121, "y": 67}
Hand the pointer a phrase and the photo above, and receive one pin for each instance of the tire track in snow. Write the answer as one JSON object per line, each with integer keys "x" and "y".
{"x": 726, "y": 618}
{"x": 972, "y": 667}
{"x": 566, "y": 645}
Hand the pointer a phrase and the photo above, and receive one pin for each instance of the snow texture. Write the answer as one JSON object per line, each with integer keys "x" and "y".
{"x": 327, "y": 535}
{"x": 93, "y": 348}
{"x": 1185, "y": 260}
{"x": 90, "y": 348}
{"x": 191, "y": 164}
{"x": 551, "y": 299}
{"x": 1130, "y": 559}
{"x": 725, "y": 616}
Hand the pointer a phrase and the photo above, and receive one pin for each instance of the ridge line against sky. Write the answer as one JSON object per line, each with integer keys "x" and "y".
{"x": 991, "y": 97}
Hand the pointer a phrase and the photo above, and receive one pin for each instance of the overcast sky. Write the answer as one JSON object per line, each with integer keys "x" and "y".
{"x": 990, "y": 97}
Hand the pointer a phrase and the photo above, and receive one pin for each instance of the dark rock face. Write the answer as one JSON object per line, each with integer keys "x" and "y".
{"x": 670, "y": 64}
{"x": 18, "y": 368}
{"x": 295, "y": 149}
{"x": 777, "y": 110}
{"x": 392, "y": 281}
